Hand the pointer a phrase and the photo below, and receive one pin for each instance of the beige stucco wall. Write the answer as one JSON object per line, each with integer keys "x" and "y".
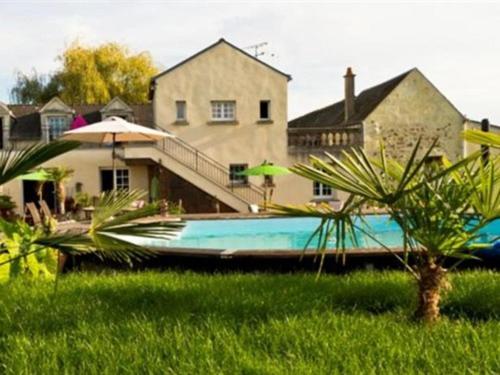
{"x": 414, "y": 109}
{"x": 87, "y": 164}
{"x": 223, "y": 73}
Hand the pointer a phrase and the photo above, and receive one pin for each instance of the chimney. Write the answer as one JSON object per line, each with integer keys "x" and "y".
{"x": 485, "y": 150}
{"x": 349, "y": 94}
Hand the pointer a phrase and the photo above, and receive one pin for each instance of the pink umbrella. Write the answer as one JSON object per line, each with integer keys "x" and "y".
{"x": 78, "y": 122}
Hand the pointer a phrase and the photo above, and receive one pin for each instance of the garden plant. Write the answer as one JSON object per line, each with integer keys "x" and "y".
{"x": 440, "y": 207}
{"x": 26, "y": 250}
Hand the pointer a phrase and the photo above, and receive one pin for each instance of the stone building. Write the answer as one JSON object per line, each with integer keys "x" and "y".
{"x": 396, "y": 112}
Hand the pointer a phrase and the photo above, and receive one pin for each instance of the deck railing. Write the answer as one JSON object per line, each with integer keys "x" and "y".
{"x": 323, "y": 139}
{"x": 209, "y": 168}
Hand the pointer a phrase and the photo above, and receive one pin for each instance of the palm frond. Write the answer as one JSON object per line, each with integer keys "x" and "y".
{"x": 113, "y": 228}
{"x": 14, "y": 163}
{"x": 482, "y": 138}
{"x": 336, "y": 225}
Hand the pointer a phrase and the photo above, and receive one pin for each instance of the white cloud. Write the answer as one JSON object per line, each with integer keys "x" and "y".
{"x": 455, "y": 45}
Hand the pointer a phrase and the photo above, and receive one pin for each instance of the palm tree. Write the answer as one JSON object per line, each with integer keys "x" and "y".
{"x": 60, "y": 175}
{"x": 440, "y": 208}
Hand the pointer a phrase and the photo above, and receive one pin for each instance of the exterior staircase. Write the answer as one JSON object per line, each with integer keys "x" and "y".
{"x": 198, "y": 169}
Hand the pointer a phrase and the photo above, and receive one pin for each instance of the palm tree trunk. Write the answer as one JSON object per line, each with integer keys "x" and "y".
{"x": 432, "y": 281}
{"x": 61, "y": 197}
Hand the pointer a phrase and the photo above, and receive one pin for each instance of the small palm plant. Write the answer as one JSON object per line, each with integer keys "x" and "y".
{"x": 440, "y": 207}
{"x": 60, "y": 175}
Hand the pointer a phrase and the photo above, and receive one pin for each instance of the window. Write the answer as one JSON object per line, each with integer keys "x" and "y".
{"x": 180, "y": 107}
{"x": 320, "y": 190}
{"x": 224, "y": 111}
{"x": 235, "y": 177}
{"x": 57, "y": 126}
{"x": 264, "y": 113}
{"x": 122, "y": 179}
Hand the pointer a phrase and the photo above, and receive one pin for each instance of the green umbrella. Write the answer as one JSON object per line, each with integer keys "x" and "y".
{"x": 38, "y": 175}
{"x": 265, "y": 169}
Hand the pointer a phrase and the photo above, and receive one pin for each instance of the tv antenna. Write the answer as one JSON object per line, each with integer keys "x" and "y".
{"x": 257, "y": 49}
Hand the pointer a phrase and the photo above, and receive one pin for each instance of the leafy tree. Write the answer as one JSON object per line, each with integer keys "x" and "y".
{"x": 34, "y": 88}
{"x": 90, "y": 75}
{"x": 440, "y": 208}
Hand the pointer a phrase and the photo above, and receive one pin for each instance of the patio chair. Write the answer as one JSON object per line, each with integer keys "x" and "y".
{"x": 45, "y": 210}
{"x": 32, "y": 214}
{"x": 136, "y": 205}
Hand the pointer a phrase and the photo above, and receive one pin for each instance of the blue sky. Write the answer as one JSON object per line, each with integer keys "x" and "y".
{"x": 456, "y": 45}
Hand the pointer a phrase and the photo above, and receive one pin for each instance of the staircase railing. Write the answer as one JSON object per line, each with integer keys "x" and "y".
{"x": 209, "y": 168}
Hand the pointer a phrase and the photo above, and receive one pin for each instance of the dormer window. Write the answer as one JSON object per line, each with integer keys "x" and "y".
{"x": 57, "y": 126}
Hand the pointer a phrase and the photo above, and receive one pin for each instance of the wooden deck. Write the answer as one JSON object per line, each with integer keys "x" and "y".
{"x": 272, "y": 253}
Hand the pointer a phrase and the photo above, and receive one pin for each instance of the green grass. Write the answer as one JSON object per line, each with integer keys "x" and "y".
{"x": 187, "y": 323}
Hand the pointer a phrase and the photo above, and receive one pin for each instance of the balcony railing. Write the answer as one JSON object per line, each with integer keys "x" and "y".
{"x": 314, "y": 140}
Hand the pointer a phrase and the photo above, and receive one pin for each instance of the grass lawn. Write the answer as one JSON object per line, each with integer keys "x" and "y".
{"x": 246, "y": 324}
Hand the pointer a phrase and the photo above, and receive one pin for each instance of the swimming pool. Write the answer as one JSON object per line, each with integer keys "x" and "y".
{"x": 281, "y": 233}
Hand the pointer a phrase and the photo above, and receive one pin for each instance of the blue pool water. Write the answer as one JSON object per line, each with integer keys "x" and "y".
{"x": 282, "y": 233}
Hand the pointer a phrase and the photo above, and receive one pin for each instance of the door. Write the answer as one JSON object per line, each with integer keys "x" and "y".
{"x": 1, "y": 133}
{"x": 30, "y": 193}
{"x": 106, "y": 180}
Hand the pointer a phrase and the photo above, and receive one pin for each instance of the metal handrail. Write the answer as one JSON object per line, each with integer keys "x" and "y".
{"x": 208, "y": 168}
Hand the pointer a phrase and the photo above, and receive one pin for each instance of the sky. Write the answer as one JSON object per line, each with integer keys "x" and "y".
{"x": 455, "y": 45}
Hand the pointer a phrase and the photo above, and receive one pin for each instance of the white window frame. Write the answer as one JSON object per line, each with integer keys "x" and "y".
{"x": 178, "y": 104}
{"x": 61, "y": 127}
{"x": 120, "y": 185}
{"x": 223, "y": 110}
{"x": 322, "y": 191}
{"x": 268, "y": 110}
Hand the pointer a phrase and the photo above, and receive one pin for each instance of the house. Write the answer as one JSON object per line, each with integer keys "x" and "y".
{"x": 228, "y": 111}
{"x": 232, "y": 108}
{"x": 397, "y": 113}
{"x": 24, "y": 125}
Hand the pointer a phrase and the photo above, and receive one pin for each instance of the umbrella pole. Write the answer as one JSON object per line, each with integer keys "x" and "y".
{"x": 113, "y": 166}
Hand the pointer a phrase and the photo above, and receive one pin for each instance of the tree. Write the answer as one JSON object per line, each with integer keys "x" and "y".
{"x": 439, "y": 206}
{"x": 60, "y": 175}
{"x": 90, "y": 75}
{"x": 34, "y": 88}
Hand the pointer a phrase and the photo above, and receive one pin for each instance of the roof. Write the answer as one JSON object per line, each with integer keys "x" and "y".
{"x": 364, "y": 104}
{"x": 27, "y": 125}
{"x": 221, "y": 40}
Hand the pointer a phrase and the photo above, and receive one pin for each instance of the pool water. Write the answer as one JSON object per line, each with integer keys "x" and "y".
{"x": 282, "y": 233}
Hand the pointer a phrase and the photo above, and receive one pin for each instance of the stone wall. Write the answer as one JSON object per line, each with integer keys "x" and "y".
{"x": 414, "y": 109}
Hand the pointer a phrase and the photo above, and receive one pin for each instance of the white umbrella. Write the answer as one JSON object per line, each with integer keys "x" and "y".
{"x": 112, "y": 130}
